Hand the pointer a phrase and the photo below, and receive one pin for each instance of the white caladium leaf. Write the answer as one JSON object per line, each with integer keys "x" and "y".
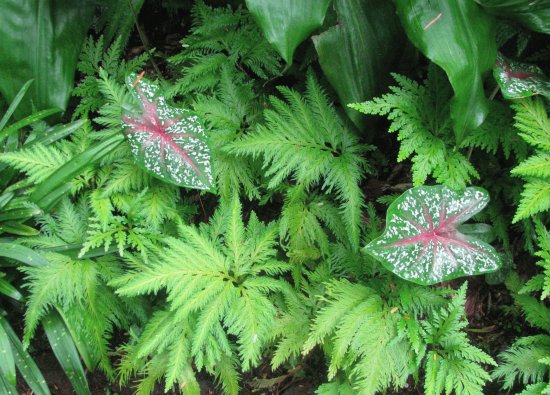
{"x": 167, "y": 141}
{"x": 422, "y": 242}
{"x": 519, "y": 80}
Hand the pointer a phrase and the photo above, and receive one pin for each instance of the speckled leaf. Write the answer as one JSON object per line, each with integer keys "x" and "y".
{"x": 166, "y": 141}
{"x": 422, "y": 242}
{"x": 519, "y": 80}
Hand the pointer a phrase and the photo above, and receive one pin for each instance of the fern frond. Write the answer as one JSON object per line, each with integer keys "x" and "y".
{"x": 421, "y": 116}
{"x": 520, "y": 363}
{"x": 216, "y": 277}
{"x": 304, "y": 138}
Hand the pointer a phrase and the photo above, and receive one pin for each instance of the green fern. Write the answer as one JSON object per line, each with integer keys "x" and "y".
{"x": 304, "y": 138}
{"x": 532, "y": 120}
{"x": 222, "y": 37}
{"x": 231, "y": 110}
{"x": 453, "y": 364}
{"x": 218, "y": 278}
{"x": 76, "y": 286}
{"x": 95, "y": 57}
{"x": 421, "y": 116}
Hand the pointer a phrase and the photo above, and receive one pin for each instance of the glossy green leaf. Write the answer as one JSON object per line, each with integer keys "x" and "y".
{"x": 14, "y": 103}
{"x": 7, "y": 362}
{"x": 286, "y": 23}
{"x": 41, "y": 40}
{"x": 459, "y": 37}
{"x": 518, "y": 80}
{"x": 356, "y": 54}
{"x": 22, "y": 254}
{"x": 167, "y": 142}
{"x": 16, "y": 228}
{"x": 534, "y": 15}
{"x": 65, "y": 351}
{"x": 37, "y": 116}
{"x": 25, "y": 364}
{"x": 422, "y": 241}
{"x": 56, "y": 185}
{"x": 9, "y": 290}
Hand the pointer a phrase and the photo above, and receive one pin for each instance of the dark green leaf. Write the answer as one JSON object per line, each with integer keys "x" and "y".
{"x": 37, "y": 116}
{"x": 41, "y": 40}
{"x": 14, "y": 103}
{"x": 22, "y": 254}
{"x": 7, "y": 362}
{"x": 356, "y": 55}
{"x": 534, "y": 15}
{"x": 9, "y": 290}
{"x": 57, "y": 182}
{"x": 286, "y": 23}
{"x": 16, "y": 228}
{"x": 518, "y": 80}
{"x": 64, "y": 349}
{"x": 25, "y": 364}
{"x": 422, "y": 242}
{"x": 459, "y": 37}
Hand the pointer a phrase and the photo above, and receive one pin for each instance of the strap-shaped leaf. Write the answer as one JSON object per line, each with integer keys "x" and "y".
{"x": 422, "y": 242}
{"x": 518, "y": 80}
{"x": 168, "y": 142}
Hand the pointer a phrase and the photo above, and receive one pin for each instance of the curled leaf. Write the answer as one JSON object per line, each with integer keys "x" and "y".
{"x": 166, "y": 141}
{"x": 422, "y": 242}
{"x": 518, "y": 80}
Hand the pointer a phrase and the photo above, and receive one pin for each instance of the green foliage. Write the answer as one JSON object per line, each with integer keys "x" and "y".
{"x": 421, "y": 116}
{"x": 452, "y": 363}
{"x": 218, "y": 279}
{"x": 95, "y": 57}
{"x": 233, "y": 108}
{"x": 78, "y": 287}
{"x": 222, "y": 37}
{"x": 304, "y": 138}
{"x": 534, "y": 125}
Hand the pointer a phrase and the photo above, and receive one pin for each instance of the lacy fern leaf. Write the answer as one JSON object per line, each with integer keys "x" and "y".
{"x": 421, "y": 116}
{"x": 304, "y": 138}
{"x": 532, "y": 120}
{"x": 218, "y": 278}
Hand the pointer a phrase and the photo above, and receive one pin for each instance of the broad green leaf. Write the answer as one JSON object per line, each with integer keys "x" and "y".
{"x": 41, "y": 40}
{"x": 422, "y": 242}
{"x": 22, "y": 254}
{"x": 25, "y": 364}
{"x": 65, "y": 351}
{"x": 286, "y": 23}
{"x": 459, "y": 37}
{"x": 534, "y": 15}
{"x": 168, "y": 142}
{"x": 356, "y": 54}
{"x": 518, "y": 80}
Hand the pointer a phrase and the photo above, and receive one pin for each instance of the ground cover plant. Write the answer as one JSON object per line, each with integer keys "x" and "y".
{"x": 319, "y": 197}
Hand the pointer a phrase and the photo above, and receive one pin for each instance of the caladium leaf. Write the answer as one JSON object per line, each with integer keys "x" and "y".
{"x": 166, "y": 141}
{"x": 519, "y": 80}
{"x": 422, "y": 242}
